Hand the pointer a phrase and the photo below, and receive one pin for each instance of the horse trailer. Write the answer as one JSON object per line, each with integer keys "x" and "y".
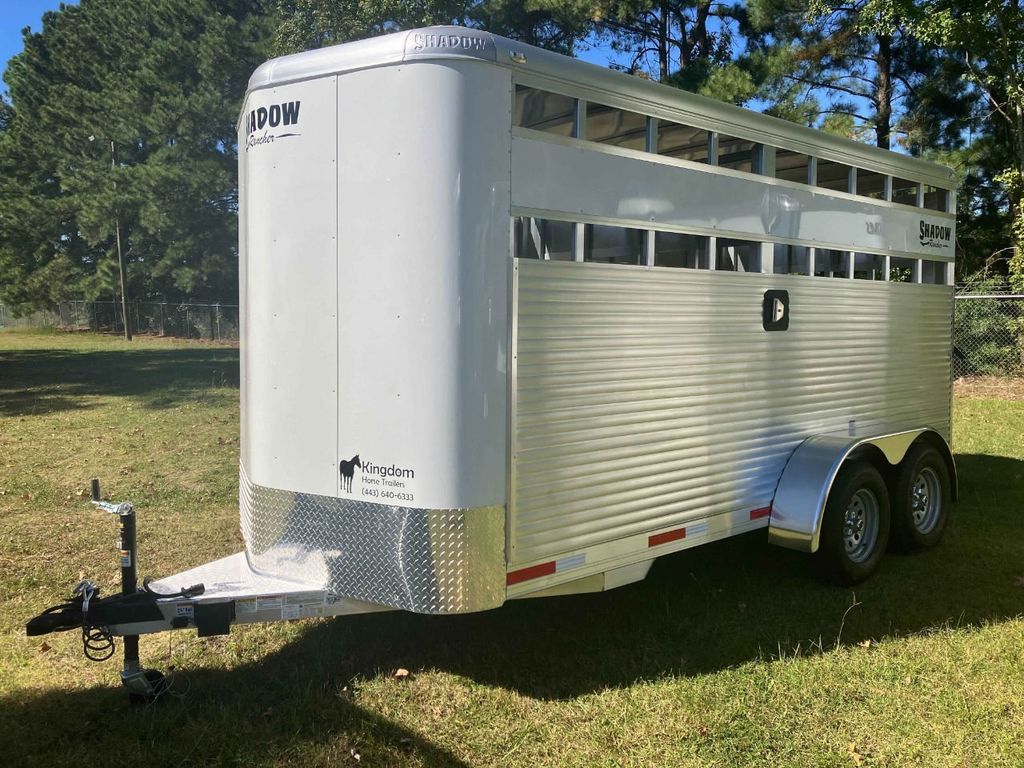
{"x": 515, "y": 325}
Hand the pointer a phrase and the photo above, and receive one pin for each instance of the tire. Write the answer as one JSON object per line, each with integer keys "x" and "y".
{"x": 855, "y": 528}
{"x": 921, "y": 496}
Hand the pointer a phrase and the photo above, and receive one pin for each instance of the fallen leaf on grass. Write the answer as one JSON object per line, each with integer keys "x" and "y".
{"x": 864, "y": 643}
{"x": 401, "y": 674}
{"x": 44, "y": 648}
{"x": 857, "y": 757}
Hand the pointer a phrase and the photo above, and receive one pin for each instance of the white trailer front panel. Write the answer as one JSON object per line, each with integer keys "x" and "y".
{"x": 375, "y": 341}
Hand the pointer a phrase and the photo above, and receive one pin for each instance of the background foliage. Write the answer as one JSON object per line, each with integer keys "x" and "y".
{"x": 123, "y": 111}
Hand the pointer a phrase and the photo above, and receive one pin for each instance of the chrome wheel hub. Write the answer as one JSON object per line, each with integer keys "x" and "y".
{"x": 860, "y": 525}
{"x": 925, "y": 500}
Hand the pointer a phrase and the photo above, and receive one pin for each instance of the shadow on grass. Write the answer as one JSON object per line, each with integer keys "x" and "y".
{"x": 708, "y": 608}
{"x": 45, "y": 381}
{"x": 271, "y": 715}
{"x": 700, "y": 611}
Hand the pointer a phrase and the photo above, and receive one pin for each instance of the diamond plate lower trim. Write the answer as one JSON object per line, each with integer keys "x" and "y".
{"x": 422, "y": 560}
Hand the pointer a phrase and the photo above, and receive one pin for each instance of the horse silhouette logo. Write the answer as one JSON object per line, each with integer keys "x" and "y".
{"x": 348, "y": 468}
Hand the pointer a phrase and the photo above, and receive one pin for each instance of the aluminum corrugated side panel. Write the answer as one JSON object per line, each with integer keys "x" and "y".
{"x": 649, "y": 397}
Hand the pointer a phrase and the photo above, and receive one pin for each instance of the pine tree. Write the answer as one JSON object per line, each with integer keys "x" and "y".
{"x": 162, "y": 82}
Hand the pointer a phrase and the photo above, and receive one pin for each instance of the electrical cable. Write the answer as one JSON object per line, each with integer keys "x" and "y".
{"x": 194, "y": 591}
{"x": 97, "y": 642}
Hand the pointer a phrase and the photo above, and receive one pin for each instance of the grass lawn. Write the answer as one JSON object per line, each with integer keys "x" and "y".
{"x": 727, "y": 655}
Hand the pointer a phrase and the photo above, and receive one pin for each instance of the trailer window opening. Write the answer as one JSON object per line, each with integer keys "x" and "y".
{"x": 831, "y": 263}
{"x": 609, "y": 125}
{"x": 933, "y": 272}
{"x": 901, "y": 270}
{"x": 834, "y": 176}
{"x": 683, "y": 142}
{"x": 791, "y": 260}
{"x": 739, "y": 154}
{"x": 737, "y": 255}
{"x": 868, "y": 266}
{"x": 674, "y": 249}
{"x": 936, "y": 199}
{"x": 871, "y": 184}
{"x": 544, "y": 111}
{"x": 792, "y": 166}
{"x": 543, "y": 239}
{"x": 612, "y": 245}
{"x": 904, "y": 191}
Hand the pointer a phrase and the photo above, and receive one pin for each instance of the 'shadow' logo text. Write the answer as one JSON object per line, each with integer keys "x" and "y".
{"x": 261, "y": 123}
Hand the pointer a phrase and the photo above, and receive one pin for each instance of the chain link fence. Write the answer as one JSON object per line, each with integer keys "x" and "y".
{"x": 988, "y": 325}
{"x": 216, "y": 322}
{"x": 988, "y": 331}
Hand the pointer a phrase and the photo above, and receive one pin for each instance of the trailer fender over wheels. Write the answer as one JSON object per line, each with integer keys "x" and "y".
{"x": 817, "y": 466}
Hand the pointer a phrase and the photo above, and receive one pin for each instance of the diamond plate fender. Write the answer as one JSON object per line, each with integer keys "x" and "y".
{"x": 420, "y": 560}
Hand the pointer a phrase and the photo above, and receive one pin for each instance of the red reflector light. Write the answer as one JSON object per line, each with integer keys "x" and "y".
{"x": 533, "y": 572}
{"x": 667, "y": 536}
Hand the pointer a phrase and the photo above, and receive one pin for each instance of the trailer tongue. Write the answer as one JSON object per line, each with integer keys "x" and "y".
{"x": 99, "y": 618}
{"x": 209, "y": 599}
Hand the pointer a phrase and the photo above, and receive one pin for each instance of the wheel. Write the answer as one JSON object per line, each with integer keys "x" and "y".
{"x": 921, "y": 495}
{"x": 855, "y": 528}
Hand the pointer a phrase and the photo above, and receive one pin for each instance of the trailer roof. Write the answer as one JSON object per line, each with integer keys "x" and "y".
{"x": 594, "y": 83}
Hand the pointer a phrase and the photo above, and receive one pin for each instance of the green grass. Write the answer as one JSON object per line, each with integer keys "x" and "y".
{"x": 728, "y": 655}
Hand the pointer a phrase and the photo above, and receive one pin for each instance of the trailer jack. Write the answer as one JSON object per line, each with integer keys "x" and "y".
{"x": 95, "y": 615}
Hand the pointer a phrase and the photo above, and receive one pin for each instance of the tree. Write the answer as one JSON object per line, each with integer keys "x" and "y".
{"x": 558, "y": 25}
{"x": 163, "y": 81}
{"x": 690, "y": 44}
{"x": 987, "y": 38}
{"x": 307, "y": 24}
{"x": 833, "y": 67}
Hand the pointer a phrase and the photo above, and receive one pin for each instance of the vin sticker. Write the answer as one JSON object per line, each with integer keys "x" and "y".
{"x": 245, "y": 606}
{"x": 304, "y": 598}
{"x": 270, "y": 603}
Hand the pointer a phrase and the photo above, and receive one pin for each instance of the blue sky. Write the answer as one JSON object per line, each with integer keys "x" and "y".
{"x": 15, "y": 15}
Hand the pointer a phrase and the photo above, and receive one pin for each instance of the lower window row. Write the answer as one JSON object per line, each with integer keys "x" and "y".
{"x": 552, "y": 240}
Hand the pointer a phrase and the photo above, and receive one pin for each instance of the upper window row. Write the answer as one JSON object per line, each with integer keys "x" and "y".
{"x": 556, "y": 240}
{"x": 566, "y": 116}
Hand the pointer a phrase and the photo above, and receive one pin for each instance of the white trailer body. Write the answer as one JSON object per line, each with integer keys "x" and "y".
{"x": 508, "y": 327}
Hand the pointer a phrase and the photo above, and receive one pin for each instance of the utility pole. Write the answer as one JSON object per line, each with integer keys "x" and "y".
{"x": 120, "y": 254}
{"x": 121, "y": 266}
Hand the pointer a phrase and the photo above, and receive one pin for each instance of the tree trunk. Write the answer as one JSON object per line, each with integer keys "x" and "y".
{"x": 883, "y": 92}
{"x": 663, "y": 62}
